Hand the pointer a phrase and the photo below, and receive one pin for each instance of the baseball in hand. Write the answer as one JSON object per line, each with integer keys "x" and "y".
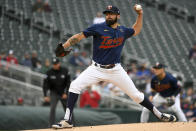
{"x": 138, "y": 7}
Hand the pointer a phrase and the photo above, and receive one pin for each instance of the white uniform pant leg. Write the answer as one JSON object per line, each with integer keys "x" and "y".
{"x": 144, "y": 115}
{"x": 85, "y": 79}
{"x": 120, "y": 78}
{"x": 177, "y": 109}
{"x": 157, "y": 101}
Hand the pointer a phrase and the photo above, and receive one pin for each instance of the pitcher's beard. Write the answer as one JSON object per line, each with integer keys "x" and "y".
{"x": 111, "y": 22}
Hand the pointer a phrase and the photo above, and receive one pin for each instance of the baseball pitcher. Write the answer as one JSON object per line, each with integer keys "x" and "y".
{"x": 108, "y": 40}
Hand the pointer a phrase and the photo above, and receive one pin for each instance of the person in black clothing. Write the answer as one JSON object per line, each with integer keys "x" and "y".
{"x": 34, "y": 60}
{"x": 57, "y": 81}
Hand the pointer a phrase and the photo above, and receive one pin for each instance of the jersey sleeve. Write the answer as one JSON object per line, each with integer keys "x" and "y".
{"x": 152, "y": 84}
{"x": 173, "y": 82}
{"x": 90, "y": 31}
{"x": 129, "y": 32}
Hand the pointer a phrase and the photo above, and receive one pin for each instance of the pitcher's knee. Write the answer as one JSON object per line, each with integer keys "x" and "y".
{"x": 75, "y": 87}
{"x": 138, "y": 97}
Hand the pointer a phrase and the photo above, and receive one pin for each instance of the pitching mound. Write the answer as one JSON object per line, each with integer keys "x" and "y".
{"x": 177, "y": 126}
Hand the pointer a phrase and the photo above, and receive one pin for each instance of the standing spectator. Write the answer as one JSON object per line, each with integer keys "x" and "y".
{"x": 38, "y": 6}
{"x": 3, "y": 56}
{"x": 11, "y": 59}
{"x": 76, "y": 60}
{"x": 20, "y": 101}
{"x": 46, "y": 66}
{"x": 143, "y": 72}
{"x": 57, "y": 81}
{"x": 34, "y": 59}
{"x": 46, "y": 7}
{"x": 188, "y": 97}
{"x": 85, "y": 59}
{"x": 27, "y": 61}
{"x": 191, "y": 112}
{"x": 90, "y": 98}
{"x": 98, "y": 19}
{"x": 106, "y": 87}
{"x": 101, "y": 87}
{"x": 38, "y": 67}
{"x": 132, "y": 71}
{"x": 192, "y": 52}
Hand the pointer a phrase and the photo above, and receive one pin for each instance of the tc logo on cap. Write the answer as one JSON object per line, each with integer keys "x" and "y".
{"x": 109, "y": 7}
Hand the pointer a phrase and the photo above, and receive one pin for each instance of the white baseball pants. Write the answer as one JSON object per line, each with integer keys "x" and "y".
{"x": 116, "y": 76}
{"x": 158, "y": 100}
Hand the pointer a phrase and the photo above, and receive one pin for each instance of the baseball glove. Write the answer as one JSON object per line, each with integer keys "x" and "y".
{"x": 170, "y": 101}
{"x": 60, "y": 51}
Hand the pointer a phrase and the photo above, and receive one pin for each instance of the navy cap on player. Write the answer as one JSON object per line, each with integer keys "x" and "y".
{"x": 113, "y": 9}
{"x": 55, "y": 61}
{"x": 158, "y": 66}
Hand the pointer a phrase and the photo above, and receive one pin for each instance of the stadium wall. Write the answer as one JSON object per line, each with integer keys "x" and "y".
{"x": 27, "y": 117}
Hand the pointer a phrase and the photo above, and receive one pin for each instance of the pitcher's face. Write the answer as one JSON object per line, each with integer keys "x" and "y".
{"x": 111, "y": 18}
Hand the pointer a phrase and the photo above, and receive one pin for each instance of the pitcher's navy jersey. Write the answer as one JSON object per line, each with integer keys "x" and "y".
{"x": 108, "y": 42}
{"x": 166, "y": 87}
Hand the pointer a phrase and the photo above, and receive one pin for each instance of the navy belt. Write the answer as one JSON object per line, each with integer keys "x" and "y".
{"x": 110, "y": 66}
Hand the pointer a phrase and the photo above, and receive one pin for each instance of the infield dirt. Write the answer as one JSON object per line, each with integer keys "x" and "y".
{"x": 157, "y": 126}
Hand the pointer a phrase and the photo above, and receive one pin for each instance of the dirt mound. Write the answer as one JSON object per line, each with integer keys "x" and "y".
{"x": 177, "y": 126}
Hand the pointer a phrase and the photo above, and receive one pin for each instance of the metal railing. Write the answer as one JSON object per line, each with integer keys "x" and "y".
{"x": 21, "y": 73}
{"x": 12, "y": 89}
{"x": 112, "y": 101}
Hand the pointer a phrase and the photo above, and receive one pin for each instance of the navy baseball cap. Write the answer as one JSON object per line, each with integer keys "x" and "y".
{"x": 113, "y": 9}
{"x": 55, "y": 61}
{"x": 158, "y": 66}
